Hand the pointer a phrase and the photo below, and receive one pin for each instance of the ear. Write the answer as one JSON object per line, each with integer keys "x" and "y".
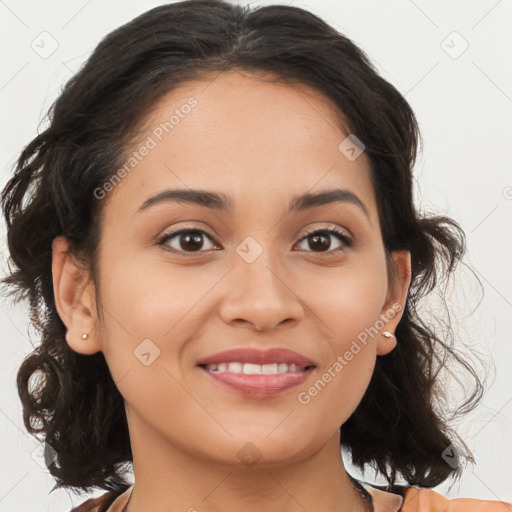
{"x": 394, "y": 306}
{"x": 74, "y": 298}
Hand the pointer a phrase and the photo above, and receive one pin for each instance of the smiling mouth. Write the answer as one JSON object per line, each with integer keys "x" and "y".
{"x": 255, "y": 369}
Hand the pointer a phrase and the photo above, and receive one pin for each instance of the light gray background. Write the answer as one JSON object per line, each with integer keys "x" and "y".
{"x": 463, "y": 101}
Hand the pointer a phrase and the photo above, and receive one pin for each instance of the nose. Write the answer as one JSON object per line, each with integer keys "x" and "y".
{"x": 261, "y": 295}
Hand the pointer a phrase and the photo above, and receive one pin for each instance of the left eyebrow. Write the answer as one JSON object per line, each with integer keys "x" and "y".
{"x": 221, "y": 202}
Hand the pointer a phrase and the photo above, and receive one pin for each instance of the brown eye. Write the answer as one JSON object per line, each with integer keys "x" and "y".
{"x": 320, "y": 239}
{"x": 187, "y": 241}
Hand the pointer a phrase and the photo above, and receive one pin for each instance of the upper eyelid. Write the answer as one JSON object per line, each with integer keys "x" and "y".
{"x": 343, "y": 231}
{"x": 308, "y": 230}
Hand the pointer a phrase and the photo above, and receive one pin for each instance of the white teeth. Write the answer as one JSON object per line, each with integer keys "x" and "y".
{"x": 253, "y": 369}
{"x": 234, "y": 367}
{"x": 269, "y": 368}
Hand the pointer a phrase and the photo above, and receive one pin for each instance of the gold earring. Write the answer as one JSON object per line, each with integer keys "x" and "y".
{"x": 387, "y": 334}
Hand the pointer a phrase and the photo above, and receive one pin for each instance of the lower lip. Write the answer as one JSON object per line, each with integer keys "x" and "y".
{"x": 259, "y": 385}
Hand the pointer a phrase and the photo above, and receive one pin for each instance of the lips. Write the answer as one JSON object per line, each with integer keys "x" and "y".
{"x": 228, "y": 370}
{"x": 261, "y": 357}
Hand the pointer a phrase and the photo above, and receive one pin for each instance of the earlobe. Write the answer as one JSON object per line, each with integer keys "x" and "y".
{"x": 386, "y": 344}
{"x": 393, "y": 309}
{"x": 74, "y": 298}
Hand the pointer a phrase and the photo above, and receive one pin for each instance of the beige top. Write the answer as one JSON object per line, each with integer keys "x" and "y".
{"x": 382, "y": 501}
{"x": 416, "y": 500}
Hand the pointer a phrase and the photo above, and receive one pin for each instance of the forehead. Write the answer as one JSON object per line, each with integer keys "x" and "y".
{"x": 242, "y": 134}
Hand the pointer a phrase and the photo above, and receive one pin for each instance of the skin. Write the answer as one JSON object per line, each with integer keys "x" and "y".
{"x": 261, "y": 143}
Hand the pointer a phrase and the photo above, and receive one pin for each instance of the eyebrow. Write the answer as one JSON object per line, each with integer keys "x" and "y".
{"x": 221, "y": 202}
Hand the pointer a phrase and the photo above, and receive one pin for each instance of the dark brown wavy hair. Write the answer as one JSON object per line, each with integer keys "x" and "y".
{"x": 69, "y": 400}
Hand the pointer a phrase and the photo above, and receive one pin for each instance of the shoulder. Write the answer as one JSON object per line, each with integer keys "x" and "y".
{"x": 101, "y": 503}
{"x": 418, "y": 499}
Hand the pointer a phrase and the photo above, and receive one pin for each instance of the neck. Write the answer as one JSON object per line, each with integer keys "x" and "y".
{"x": 168, "y": 478}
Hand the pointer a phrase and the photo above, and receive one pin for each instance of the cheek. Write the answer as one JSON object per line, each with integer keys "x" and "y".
{"x": 145, "y": 314}
{"x": 340, "y": 384}
{"x": 148, "y": 300}
{"x": 347, "y": 310}
{"x": 150, "y": 311}
{"x": 350, "y": 300}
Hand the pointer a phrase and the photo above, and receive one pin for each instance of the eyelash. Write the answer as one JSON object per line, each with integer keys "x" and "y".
{"x": 347, "y": 241}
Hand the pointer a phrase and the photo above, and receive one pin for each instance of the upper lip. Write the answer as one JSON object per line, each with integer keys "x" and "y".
{"x": 255, "y": 356}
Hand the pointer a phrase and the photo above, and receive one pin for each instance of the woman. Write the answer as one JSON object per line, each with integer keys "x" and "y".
{"x": 230, "y": 373}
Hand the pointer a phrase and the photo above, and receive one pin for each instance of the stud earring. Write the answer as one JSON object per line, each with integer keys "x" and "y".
{"x": 85, "y": 336}
{"x": 387, "y": 334}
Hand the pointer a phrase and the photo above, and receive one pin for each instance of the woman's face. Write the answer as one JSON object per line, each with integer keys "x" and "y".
{"x": 246, "y": 276}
